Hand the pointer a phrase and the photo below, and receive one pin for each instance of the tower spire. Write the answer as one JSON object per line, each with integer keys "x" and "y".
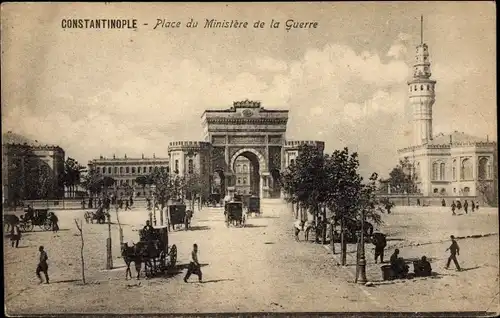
{"x": 421, "y": 29}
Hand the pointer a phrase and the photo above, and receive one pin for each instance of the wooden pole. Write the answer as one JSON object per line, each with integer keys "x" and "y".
{"x": 80, "y": 227}
{"x": 109, "y": 258}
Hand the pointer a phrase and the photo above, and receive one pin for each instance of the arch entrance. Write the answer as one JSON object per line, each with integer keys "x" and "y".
{"x": 247, "y": 166}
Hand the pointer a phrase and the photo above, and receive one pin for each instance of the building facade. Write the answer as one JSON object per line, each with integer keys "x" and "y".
{"x": 31, "y": 172}
{"x": 454, "y": 164}
{"x": 244, "y": 135}
{"x": 125, "y": 172}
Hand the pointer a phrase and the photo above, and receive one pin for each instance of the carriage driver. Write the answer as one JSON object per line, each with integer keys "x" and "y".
{"x": 148, "y": 231}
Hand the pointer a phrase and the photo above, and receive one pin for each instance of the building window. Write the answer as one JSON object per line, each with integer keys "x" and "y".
{"x": 238, "y": 168}
{"x": 484, "y": 171}
{"x": 176, "y": 165}
{"x": 138, "y": 194}
{"x": 421, "y": 87}
{"x": 454, "y": 169}
{"x": 245, "y": 168}
{"x": 292, "y": 161}
{"x": 435, "y": 171}
{"x": 190, "y": 166}
{"x": 428, "y": 87}
{"x": 162, "y": 169}
{"x": 435, "y": 190}
{"x": 244, "y": 180}
{"x": 116, "y": 170}
{"x": 466, "y": 190}
{"x": 133, "y": 169}
{"x": 126, "y": 181}
{"x": 239, "y": 181}
{"x": 442, "y": 171}
{"x": 104, "y": 170}
{"x": 466, "y": 169}
{"x": 127, "y": 170}
{"x": 121, "y": 170}
{"x": 454, "y": 190}
{"x": 138, "y": 169}
{"x": 109, "y": 170}
{"x": 150, "y": 169}
{"x": 168, "y": 169}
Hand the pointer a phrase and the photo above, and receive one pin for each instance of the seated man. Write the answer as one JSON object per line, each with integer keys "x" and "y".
{"x": 30, "y": 212}
{"x": 398, "y": 265}
{"x": 423, "y": 268}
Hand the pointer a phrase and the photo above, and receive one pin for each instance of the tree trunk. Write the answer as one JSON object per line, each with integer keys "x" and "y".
{"x": 343, "y": 243}
{"x": 79, "y": 226}
{"x": 323, "y": 227}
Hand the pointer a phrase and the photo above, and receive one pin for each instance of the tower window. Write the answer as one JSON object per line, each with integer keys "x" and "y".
{"x": 428, "y": 87}
{"x": 410, "y": 88}
{"x": 415, "y": 88}
{"x": 421, "y": 87}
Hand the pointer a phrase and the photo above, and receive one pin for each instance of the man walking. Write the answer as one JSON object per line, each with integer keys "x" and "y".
{"x": 380, "y": 242}
{"x": 453, "y": 207}
{"x": 466, "y": 205}
{"x": 454, "y": 251}
{"x": 194, "y": 265}
{"x": 473, "y": 206}
{"x": 42, "y": 266}
{"x": 15, "y": 235}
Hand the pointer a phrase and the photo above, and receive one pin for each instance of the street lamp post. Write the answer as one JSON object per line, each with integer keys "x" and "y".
{"x": 361, "y": 272}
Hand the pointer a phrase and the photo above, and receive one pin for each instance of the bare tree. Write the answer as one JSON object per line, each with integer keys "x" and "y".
{"x": 79, "y": 227}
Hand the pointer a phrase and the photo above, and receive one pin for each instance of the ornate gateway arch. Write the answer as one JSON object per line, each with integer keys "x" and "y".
{"x": 243, "y": 143}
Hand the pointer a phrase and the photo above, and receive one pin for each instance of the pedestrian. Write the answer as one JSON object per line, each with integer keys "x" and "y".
{"x": 55, "y": 222}
{"x": 473, "y": 206}
{"x": 99, "y": 202}
{"x": 91, "y": 201}
{"x": 380, "y": 242}
{"x": 459, "y": 205}
{"x": 466, "y": 205}
{"x": 43, "y": 266}
{"x": 131, "y": 201}
{"x": 477, "y": 205}
{"x": 298, "y": 226}
{"x": 83, "y": 204}
{"x": 454, "y": 251}
{"x": 127, "y": 207}
{"x": 453, "y": 207}
{"x": 15, "y": 235}
{"x": 418, "y": 202}
{"x": 194, "y": 265}
{"x": 443, "y": 202}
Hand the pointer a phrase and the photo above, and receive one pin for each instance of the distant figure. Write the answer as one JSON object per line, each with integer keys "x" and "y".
{"x": 443, "y": 202}
{"x": 298, "y": 226}
{"x": 194, "y": 265}
{"x": 99, "y": 202}
{"x": 148, "y": 203}
{"x": 418, "y": 202}
{"x": 423, "y": 268}
{"x": 477, "y": 205}
{"x": 398, "y": 265}
{"x": 90, "y": 203}
{"x": 120, "y": 203}
{"x": 466, "y": 205}
{"x": 42, "y": 265}
{"x": 131, "y": 201}
{"x": 54, "y": 220}
{"x": 127, "y": 207}
{"x": 473, "y": 206}
{"x": 15, "y": 235}
{"x": 454, "y": 251}
{"x": 453, "y": 207}
{"x": 459, "y": 205}
{"x": 83, "y": 204}
{"x": 380, "y": 242}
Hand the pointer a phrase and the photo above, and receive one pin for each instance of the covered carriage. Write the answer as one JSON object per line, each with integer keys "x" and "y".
{"x": 179, "y": 215}
{"x": 234, "y": 213}
{"x": 253, "y": 205}
{"x": 39, "y": 217}
{"x": 99, "y": 215}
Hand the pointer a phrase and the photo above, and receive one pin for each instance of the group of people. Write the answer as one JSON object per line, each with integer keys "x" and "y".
{"x": 458, "y": 205}
{"x": 106, "y": 202}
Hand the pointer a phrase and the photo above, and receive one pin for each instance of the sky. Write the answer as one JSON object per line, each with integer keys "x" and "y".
{"x": 104, "y": 92}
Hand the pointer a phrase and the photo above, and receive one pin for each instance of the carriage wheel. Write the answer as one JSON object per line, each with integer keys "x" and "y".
{"x": 47, "y": 225}
{"x": 27, "y": 226}
{"x": 173, "y": 255}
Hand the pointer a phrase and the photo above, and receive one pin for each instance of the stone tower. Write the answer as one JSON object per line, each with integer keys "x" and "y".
{"x": 421, "y": 93}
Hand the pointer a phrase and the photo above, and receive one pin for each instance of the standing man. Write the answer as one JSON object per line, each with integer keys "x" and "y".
{"x": 298, "y": 226}
{"x": 473, "y": 206}
{"x": 55, "y": 222}
{"x": 453, "y": 207}
{"x": 380, "y": 242}
{"x": 466, "y": 205}
{"x": 454, "y": 251}
{"x": 43, "y": 266}
{"x": 194, "y": 265}
{"x": 15, "y": 234}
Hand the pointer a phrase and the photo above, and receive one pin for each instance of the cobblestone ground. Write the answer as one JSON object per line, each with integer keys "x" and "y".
{"x": 256, "y": 268}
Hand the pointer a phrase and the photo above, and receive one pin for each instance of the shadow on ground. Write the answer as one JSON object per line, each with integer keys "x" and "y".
{"x": 254, "y": 226}
{"x": 382, "y": 282}
{"x": 199, "y": 228}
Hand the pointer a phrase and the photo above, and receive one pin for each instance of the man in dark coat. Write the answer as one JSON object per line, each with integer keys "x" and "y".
{"x": 454, "y": 251}
{"x": 398, "y": 265}
{"x": 380, "y": 242}
{"x": 42, "y": 267}
{"x": 423, "y": 268}
{"x": 466, "y": 206}
{"x": 15, "y": 235}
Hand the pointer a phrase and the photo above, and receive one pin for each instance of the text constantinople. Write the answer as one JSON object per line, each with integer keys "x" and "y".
{"x": 99, "y": 23}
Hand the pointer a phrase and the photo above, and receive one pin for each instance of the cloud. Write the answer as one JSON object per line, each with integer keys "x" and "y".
{"x": 270, "y": 64}
{"x": 397, "y": 50}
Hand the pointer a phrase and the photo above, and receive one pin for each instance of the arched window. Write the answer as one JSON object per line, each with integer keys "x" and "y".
{"x": 292, "y": 161}
{"x": 238, "y": 168}
{"x": 133, "y": 169}
{"x": 421, "y": 87}
{"x": 127, "y": 170}
{"x": 138, "y": 169}
{"x": 109, "y": 170}
{"x": 435, "y": 171}
{"x": 190, "y": 166}
{"x": 244, "y": 180}
{"x": 466, "y": 190}
{"x": 150, "y": 169}
{"x": 239, "y": 181}
{"x": 415, "y": 88}
{"x": 484, "y": 169}
{"x": 116, "y": 170}
{"x": 428, "y": 87}
{"x": 454, "y": 169}
{"x": 466, "y": 169}
{"x": 103, "y": 169}
{"x": 245, "y": 168}
{"x": 435, "y": 190}
{"x": 442, "y": 170}
{"x": 176, "y": 165}
{"x": 121, "y": 170}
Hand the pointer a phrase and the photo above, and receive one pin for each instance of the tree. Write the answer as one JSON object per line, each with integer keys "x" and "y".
{"x": 193, "y": 186}
{"x": 92, "y": 182}
{"x": 107, "y": 182}
{"x": 79, "y": 227}
{"x": 487, "y": 190}
{"x": 143, "y": 181}
{"x": 45, "y": 180}
{"x": 72, "y": 174}
{"x": 401, "y": 179}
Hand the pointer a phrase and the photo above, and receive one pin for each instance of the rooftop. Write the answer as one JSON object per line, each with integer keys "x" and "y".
{"x": 456, "y": 137}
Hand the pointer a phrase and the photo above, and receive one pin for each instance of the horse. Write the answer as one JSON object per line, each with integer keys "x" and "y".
{"x": 89, "y": 217}
{"x": 132, "y": 254}
{"x": 10, "y": 220}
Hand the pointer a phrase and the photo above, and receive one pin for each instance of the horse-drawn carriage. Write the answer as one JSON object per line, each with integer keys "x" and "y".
{"x": 152, "y": 250}
{"x": 253, "y": 205}
{"x": 179, "y": 215}
{"x": 233, "y": 212}
{"x": 99, "y": 215}
{"x": 213, "y": 199}
{"x": 39, "y": 217}
{"x": 352, "y": 229}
